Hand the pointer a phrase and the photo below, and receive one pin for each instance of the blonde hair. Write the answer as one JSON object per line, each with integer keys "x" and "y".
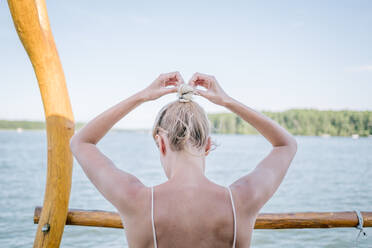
{"x": 184, "y": 122}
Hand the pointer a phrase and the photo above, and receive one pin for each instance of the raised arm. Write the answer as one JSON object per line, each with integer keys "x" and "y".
{"x": 117, "y": 186}
{"x": 256, "y": 188}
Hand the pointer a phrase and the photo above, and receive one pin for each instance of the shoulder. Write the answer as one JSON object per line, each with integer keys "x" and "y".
{"x": 245, "y": 199}
{"x": 137, "y": 198}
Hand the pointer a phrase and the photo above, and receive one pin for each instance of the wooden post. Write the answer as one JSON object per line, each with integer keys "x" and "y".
{"x": 32, "y": 24}
{"x": 101, "y": 218}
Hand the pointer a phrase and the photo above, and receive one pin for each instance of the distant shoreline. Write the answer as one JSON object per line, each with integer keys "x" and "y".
{"x": 43, "y": 129}
{"x": 149, "y": 132}
{"x": 302, "y": 122}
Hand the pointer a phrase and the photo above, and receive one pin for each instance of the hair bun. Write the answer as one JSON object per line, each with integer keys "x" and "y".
{"x": 185, "y": 93}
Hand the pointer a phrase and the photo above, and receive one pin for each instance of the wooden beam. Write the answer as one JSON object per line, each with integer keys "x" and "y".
{"x": 100, "y": 218}
{"x": 32, "y": 24}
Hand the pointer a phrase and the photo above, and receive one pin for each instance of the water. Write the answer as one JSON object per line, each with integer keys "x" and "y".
{"x": 332, "y": 174}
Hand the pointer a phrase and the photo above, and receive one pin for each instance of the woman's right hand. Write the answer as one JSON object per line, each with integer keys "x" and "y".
{"x": 213, "y": 92}
{"x": 164, "y": 84}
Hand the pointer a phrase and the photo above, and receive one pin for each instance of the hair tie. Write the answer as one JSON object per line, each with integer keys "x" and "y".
{"x": 185, "y": 93}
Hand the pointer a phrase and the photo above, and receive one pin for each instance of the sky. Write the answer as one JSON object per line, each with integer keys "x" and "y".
{"x": 270, "y": 55}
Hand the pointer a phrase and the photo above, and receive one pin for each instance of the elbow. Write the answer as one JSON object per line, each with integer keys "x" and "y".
{"x": 289, "y": 143}
{"x": 292, "y": 145}
{"x": 74, "y": 142}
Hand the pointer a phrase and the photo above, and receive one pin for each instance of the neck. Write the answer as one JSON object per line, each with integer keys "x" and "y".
{"x": 183, "y": 167}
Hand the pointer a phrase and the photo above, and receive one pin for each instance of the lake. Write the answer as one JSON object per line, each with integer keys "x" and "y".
{"x": 327, "y": 174}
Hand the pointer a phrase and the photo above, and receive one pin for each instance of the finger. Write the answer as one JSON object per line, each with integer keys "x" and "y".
{"x": 202, "y": 82}
{"x": 179, "y": 78}
{"x": 162, "y": 78}
{"x": 170, "y": 83}
{"x": 170, "y": 90}
{"x": 202, "y": 93}
{"x": 193, "y": 79}
{"x": 174, "y": 78}
{"x": 202, "y": 75}
{"x": 174, "y": 75}
{"x": 200, "y": 79}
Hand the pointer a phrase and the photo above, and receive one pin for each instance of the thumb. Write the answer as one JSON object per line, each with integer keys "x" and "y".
{"x": 202, "y": 93}
{"x": 170, "y": 90}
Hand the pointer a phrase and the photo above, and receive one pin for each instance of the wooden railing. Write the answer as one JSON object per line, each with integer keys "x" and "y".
{"x": 99, "y": 218}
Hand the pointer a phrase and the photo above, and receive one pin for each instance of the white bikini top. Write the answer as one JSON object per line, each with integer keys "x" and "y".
{"x": 152, "y": 216}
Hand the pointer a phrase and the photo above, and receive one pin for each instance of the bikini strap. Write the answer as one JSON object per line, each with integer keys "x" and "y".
{"x": 234, "y": 214}
{"x": 152, "y": 217}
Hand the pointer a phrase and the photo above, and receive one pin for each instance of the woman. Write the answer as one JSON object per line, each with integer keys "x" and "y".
{"x": 188, "y": 210}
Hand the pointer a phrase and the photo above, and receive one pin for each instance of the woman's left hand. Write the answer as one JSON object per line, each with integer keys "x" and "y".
{"x": 160, "y": 86}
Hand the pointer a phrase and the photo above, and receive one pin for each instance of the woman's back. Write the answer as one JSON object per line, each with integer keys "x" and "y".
{"x": 189, "y": 210}
{"x": 187, "y": 216}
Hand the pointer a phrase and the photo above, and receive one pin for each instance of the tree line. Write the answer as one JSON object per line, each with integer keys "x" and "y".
{"x": 31, "y": 125}
{"x": 301, "y": 122}
{"x": 296, "y": 121}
